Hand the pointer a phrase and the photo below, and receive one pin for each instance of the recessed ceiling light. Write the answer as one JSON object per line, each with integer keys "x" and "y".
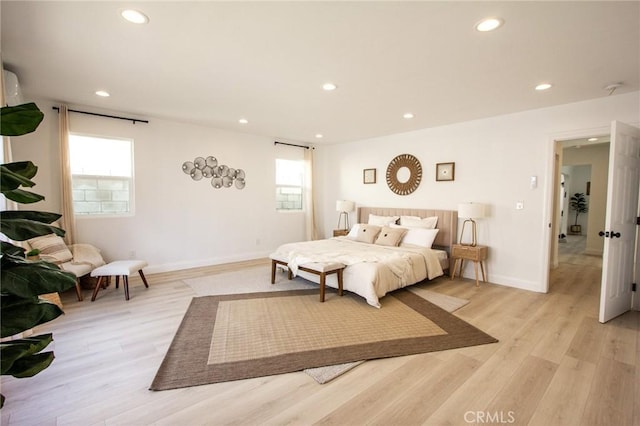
{"x": 408, "y": 115}
{"x": 329, "y": 87}
{"x": 103, "y": 93}
{"x": 592, "y": 139}
{"x": 319, "y": 136}
{"x": 243, "y": 121}
{"x": 543, "y": 86}
{"x": 134, "y": 16}
{"x": 489, "y": 24}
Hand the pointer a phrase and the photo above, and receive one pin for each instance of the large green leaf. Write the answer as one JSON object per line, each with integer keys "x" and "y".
{"x": 23, "y": 197}
{"x": 31, "y": 365}
{"x": 14, "y": 349}
{"x": 44, "y": 217}
{"x": 23, "y": 229}
{"x": 8, "y": 248}
{"x": 20, "y": 175}
{"x": 26, "y": 278}
{"x": 18, "y": 317}
{"x": 20, "y": 120}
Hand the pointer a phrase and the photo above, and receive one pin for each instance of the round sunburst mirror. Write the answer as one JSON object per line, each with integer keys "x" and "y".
{"x": 404, "y": 174}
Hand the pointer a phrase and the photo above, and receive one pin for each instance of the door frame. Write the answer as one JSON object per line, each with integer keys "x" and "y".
{"x": 551, "y": 193}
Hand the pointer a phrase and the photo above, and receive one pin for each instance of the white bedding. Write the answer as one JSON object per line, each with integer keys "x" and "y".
{"x": 371, "y": 270}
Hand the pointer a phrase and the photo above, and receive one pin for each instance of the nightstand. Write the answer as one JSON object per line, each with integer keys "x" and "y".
{"x": 477, "y": 254}
{"x": 340, "y": 232}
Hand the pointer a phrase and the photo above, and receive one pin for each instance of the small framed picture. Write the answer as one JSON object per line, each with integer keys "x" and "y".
{"x": 369, "y": 176}
{"x": 445, "y": 171}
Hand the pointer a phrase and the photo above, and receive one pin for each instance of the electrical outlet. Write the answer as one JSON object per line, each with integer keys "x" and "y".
{"x": 520, "y": 205}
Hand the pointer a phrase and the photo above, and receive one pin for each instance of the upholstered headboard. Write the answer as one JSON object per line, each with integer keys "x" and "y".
{"x": 447, "y": 221}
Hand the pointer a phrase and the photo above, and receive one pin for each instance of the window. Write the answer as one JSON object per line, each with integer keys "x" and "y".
{"x": 289, "y": 184}
{"x": 102, "y": 175}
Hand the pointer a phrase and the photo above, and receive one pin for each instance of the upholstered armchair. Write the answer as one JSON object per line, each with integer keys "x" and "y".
{"x": 79, "y": 259}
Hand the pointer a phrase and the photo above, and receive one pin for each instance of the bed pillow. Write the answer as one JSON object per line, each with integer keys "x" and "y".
{"x": 390, "y": 236}
{"x": 382, "y": 220}
{"x": 353, "y": 233}
{"x": 52, "y": 248}
{"x": 419, "y": 237}
{"x": 367, "y": 233}
{"x": 419, "y": 222}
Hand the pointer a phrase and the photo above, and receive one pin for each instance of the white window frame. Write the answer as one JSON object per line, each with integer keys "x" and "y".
{"x": 300, "y": 187}
{"x": 129, "y": 179}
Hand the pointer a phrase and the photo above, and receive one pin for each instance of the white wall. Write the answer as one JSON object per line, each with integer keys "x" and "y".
{"x": 178, "y": 223}
{"x": 495, "y": 159}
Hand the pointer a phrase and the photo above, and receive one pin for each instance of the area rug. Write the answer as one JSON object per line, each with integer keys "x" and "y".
{"x": 239, "y": 336}
{"x": 257, "y": 279}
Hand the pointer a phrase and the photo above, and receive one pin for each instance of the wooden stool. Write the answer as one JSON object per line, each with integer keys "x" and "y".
{"x": 119, "y": 268}
{"x": 320, "y": 269}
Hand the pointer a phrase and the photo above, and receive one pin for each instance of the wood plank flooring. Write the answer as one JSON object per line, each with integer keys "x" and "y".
{"x": 554, "y": 365}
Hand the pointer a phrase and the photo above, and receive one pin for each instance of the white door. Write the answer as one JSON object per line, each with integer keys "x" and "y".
{"x": 621, "y": 221}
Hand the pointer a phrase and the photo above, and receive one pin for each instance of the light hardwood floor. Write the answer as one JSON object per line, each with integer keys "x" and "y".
{"x": 554, "y": 365}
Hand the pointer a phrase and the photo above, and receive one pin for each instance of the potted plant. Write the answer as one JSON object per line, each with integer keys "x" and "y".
{"x": 578, "y": 203}
{"x": 23, "y": 280}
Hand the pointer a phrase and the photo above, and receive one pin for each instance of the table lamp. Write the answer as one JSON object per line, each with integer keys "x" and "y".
{"x": 344, "y": 207}
{"x": 470, "y": 211}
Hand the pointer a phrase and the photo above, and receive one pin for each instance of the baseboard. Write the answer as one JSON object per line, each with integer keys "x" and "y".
{"x": 512, "y": 282}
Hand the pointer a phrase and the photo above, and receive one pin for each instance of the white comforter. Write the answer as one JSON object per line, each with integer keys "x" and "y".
{"x": 371, "y": 270}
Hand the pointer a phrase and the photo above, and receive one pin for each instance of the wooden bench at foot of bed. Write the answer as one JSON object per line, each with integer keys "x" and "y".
{"x": 320, "y": 269}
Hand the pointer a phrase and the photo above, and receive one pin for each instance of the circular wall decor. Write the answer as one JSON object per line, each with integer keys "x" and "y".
{"x": 404, "y": 162}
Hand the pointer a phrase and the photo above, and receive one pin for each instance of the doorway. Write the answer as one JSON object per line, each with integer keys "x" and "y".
{"x": 581, "y": 172}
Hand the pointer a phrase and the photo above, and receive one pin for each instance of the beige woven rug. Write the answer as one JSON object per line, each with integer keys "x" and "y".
{"x": 231, "y": 337}
{"x": 257, "y": 279}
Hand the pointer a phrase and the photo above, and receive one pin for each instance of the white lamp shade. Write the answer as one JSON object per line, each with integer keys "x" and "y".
{"x": 471, "y": 210}
{"x": 345, "y": 206}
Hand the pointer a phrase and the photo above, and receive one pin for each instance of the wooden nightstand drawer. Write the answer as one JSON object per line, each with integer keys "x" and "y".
{"x": 476, "y": 253}
{"x": 340, "y": 232}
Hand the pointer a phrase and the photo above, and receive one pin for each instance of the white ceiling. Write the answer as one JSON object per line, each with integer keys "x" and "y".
{"x": 215, "y": 62}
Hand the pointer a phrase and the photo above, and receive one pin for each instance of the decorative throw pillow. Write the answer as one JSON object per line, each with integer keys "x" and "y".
{"x": 353, "y": 233}
{"x": 367, "y": 233}
{"x": 420, "y": 237}
{"x": 52, "y": 248}
{"x": 382, "y": 220}
{"x": 390, "y": 236}
{"x": 419, "y": 222}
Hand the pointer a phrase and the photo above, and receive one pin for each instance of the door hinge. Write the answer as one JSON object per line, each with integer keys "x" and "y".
{"x": 633, "y": 286}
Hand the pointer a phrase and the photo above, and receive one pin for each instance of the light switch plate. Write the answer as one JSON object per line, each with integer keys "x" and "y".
{"x": 520, "y": 205}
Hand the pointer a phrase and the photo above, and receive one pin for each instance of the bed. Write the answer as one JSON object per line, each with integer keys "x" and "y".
{"x": 372, "y": 267}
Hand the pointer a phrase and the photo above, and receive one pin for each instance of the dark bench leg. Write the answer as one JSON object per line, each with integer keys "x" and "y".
{"x": 97, "y": 289}
{"x": 144, "y": 279}
{"x": 125, "y": 281}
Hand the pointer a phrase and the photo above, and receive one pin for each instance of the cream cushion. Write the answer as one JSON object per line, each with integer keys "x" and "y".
{"x": 367, "y": 233}
{"x": 382, "y": 220}
{"x": 390, "y": 236}
{"x": 52, "y": 248}
{"x": 419, "y": 222}
{"x": 419, "y": 237}
{"x": 119, "y": 268}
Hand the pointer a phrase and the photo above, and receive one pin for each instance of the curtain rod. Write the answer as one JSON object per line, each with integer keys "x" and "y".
{"x": 134, "y": 120}
{"x": 290, "y": 144}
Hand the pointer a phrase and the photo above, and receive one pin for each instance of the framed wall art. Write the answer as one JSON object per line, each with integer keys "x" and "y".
{"x": 369, "y": 176}
{"x": 445, "y": 171}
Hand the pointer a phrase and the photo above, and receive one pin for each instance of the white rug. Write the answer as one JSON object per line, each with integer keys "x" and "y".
{"x": 258, "y": 279}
